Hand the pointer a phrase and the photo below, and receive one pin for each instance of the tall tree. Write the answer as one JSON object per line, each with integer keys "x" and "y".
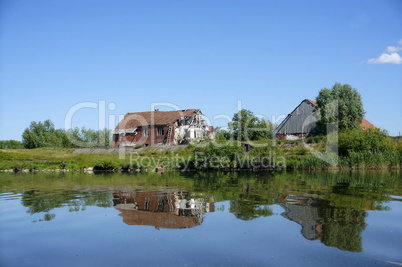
{"x": 43, "y": 134}
{"x": 246, "y": 126}
{"x": 341, "y": 104}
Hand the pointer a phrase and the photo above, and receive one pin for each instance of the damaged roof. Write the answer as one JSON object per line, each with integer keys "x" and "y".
{"x": 137, "y": 119}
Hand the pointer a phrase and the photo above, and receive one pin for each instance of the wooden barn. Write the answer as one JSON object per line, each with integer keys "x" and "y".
{"x": 302, "y": 122}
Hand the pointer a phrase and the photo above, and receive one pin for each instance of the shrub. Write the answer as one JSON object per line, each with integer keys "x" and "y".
{"x": 356, "y": 140}
{"x": 105, "y": 165}
{"x": 301, "y": 151}
{"x": 10, "y": 144}
{"x": 206, "y": 156}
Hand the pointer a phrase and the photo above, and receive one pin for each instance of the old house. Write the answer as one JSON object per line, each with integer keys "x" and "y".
{"x": 161, "y": 128}
{"x": 302, "y": 122}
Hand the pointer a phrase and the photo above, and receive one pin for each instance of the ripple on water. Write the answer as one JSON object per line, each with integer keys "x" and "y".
{"x": 10, "y": 196}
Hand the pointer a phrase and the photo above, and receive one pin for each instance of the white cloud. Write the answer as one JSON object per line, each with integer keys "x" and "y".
{"x": 391, "y": 49}
{"x": 390, "y": 57}
{"x": 393, "y": 58}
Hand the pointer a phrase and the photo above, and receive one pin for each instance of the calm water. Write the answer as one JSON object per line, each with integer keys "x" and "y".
{"x": 283, "y": 219}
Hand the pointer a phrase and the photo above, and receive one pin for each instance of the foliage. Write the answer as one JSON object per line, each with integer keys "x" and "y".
{"x": 221, "y": 135}
{"x": 357, "y": 140}
{"x": 341, "y": 104}
{"x": 246, "y": 126}
{"x": 215, "y": 156}
{"x": 44, "y": 134}
{"x": 316, "y": 139}
{"x": 369, "y": 159}
{"x": 105, "y": 165}
{"x": 10, "y": 144}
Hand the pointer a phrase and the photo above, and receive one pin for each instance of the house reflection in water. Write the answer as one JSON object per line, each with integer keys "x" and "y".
{"x": 172, "y": 209}
{"x": 304, "y": 212}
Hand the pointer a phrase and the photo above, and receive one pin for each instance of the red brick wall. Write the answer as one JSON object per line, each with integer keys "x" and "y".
{"x": 152, "y": 139}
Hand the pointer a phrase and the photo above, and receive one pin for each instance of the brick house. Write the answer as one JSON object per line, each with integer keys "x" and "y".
{"x": 161, "y": 128}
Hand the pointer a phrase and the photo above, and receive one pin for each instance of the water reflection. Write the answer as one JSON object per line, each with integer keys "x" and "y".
{"x": 43, "y": 201}
{"x": 303, "y": 211}
{"x": 330, "y": 208}
{"x": 161, "y": 209}
{"x": 334, "y": 226}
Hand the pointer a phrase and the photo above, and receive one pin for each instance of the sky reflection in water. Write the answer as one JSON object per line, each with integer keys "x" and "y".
{"x": 201, "y": 219}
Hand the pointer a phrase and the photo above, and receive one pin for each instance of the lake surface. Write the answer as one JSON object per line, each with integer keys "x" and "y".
{"x": 281, "y": 219}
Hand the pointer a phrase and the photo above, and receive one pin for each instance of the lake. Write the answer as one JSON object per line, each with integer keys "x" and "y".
{"x": 195, "y": 218}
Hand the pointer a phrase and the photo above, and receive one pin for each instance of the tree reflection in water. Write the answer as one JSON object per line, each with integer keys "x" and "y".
{"x": 43, "y": 201}
{"x": 335, "y": 227}
{"x": 330, "y": 207}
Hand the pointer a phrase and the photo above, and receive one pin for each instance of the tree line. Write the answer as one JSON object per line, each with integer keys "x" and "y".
{"x": 340, "y": 104}
{"x": 44, "y": 134}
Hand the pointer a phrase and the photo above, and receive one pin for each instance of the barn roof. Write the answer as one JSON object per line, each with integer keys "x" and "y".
{"x": 135, "y": 119}
{"x": 365, "y": 124}
{"x": 312, "y": 102}
{"x": 300, "y": 119}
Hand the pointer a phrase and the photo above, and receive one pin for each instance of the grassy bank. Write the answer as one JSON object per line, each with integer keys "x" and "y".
{"x": 59, "y": 159}
{"x": 269, "y": 155}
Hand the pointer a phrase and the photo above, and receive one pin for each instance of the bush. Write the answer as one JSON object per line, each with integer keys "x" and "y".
{"x": 105, "y": 165}
{"x": 369, "y": 159}
{"x": 10, "y": 144}
{"x": 207, "y": 156}
{"x": 357, "y": 140}
{"x": 301, "y": 151}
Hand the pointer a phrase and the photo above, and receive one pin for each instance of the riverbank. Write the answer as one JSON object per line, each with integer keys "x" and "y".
{"x": 231, "y": 156}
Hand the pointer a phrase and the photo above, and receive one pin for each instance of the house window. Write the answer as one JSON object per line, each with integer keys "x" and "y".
{"x": 146, "y": 132}
{"x": 160, "y": 131}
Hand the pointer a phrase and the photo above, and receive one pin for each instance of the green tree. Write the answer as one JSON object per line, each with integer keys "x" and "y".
{"x": 246, "y": 126}
{"x": 341, "y": 104}
{"x": 33, "y": 137}
{"x": 221, "y": 134}
{"x": 44, "y": 134}
{"x": 10, "y": 144}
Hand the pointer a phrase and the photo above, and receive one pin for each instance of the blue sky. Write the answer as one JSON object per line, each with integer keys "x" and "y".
{"x": 270, "y": 55}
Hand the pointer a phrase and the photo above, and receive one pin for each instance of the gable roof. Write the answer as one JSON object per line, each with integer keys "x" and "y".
{"x": 295, "y": 120}
{"x": 136, "y": 119}
{"x": 312, "y": 102}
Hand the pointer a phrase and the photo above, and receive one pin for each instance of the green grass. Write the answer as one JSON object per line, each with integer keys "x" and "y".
{"x": 296, "y": 157}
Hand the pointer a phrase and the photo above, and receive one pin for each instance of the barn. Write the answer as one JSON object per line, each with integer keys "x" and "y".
{"x": 302, "y": 122}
